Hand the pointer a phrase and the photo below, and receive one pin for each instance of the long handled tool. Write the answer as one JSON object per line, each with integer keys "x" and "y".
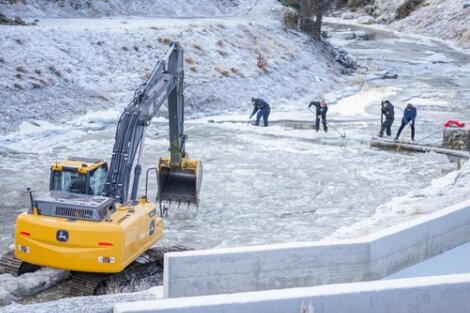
{"x": 438, "y": 132}
{"x": 343, "y": 135}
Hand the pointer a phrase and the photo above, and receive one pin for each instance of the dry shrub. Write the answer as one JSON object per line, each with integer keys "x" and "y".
{"x": 306, "y": 66}
{"x": 220, "y": 42}
{"x": 223, "y": 72}
{"x": 19, "y": 41}
{"x": 222, "y": 52}
{"x": 160, "y": 39}
{"x": 193, "y": 68}
{"x": 2, "y": 60}
{"x": 102, "y": 96}
{"x": 407, "y": 7}
{"x": 154, "y": 27}
{"x": 42, "y": 81}
{"x": 465, "y": 37}
{"x": 197, "y": 46}
{"x": 55, "y": 71}
{"x": 147, "y": 73}
{"x": 235, "y": 70}
{"x": 189, "y": 60}
{"x": 261, "y": 62}
{"x": 21, "y": 69}
{"x": 17, "y": 86}
{"x": 222, "y": 26}
{"x": 19, "y": 76}
{"x": 35, "y": 85}
{"x": 358, "y": 80}
{"x": 290, "y": 19}
{"x": 136, "y": 48}
{"x": 38, "y": 71}
{"x": 167, "y": 40}
{"x": 125, "y": 48}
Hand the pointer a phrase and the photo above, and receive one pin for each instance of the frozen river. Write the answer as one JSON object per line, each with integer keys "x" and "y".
{"x": 283, "y": 183}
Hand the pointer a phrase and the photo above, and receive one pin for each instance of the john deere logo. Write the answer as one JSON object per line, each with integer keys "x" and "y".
{"x": 62, "y": 235}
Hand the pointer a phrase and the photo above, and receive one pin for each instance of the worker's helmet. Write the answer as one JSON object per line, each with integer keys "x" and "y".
{"x": 253, "y": 99}
{"x": 387, "y": 102}
{"x": 409, "y": 106}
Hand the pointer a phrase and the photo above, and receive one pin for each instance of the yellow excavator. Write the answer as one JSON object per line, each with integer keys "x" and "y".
{"x": 87, "y": 223}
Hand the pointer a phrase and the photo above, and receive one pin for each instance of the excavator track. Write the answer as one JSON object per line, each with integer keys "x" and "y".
{"x": 9, "y": 264}
{"x": 147, "y": 265}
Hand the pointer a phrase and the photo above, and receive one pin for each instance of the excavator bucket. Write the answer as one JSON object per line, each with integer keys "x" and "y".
{"x": 180, "y": 184}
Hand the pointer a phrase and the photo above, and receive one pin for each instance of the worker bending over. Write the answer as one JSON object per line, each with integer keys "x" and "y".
{"x": 389, "y": 112}
{"x": 263, "y": 109}
{"x": 409, "y": 116}
{"x": 320, "y": 113}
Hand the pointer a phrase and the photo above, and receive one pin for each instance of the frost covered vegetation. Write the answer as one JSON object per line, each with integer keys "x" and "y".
{"x": 62, "y": 68}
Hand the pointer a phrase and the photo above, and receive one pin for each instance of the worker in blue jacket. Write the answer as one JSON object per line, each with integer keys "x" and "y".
{"x": 263, "y": 109}
{"x": 409, "y": 117}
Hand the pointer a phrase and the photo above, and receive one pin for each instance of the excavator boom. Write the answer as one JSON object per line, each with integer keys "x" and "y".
{"x": 179, "y": 179}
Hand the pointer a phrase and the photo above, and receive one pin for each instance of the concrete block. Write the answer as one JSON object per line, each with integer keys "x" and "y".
{"x": 449, "y": 240}
{"x": 448, "y": 221}
{"x": 313, "y": 256}
{"x": 398, "y": 260}
{"x": 207, "y": 285}
{"x": 200, "y": 265}
{"x": 397, "y": 240}
{"x": 301, "y": 277}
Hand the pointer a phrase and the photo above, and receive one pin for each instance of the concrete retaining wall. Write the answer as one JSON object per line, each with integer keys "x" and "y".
{"x": 280, "y": 266}
{"x": 439, "y": 294}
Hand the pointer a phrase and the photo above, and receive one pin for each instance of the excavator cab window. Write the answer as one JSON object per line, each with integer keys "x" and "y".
{"x": 98, "y": 180}
{"x": 91, "y": 183}
{"x": 70, "y": 181}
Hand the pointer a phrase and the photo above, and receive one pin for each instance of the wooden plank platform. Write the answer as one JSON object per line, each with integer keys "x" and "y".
{"x": 410, "y": 146}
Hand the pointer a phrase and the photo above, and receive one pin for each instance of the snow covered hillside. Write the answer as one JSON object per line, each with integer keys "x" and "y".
{"x": 442, "y": 19}
{"x": 64, "y": 67}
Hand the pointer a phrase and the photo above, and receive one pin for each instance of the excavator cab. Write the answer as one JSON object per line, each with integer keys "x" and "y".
{"x": 179, "y": 184}
{"x": 78, "y": 175}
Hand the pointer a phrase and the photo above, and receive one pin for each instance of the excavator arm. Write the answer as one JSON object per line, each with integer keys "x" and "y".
{"x": 164, "y": 83}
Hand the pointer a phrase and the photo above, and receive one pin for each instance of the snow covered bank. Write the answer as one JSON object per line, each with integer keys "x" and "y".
{"x": 451, "y": 188}
{"x": 441, "y": 19}
{"x": 84, "y": 304}
{"x": 15, "y": 288}
{"x": 444, "y": 19}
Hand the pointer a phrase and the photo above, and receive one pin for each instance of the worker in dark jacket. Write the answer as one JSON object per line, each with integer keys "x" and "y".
{"x": 409, "y": 117}
{"x": 320, "y": 113}
{"x": 389, "y": 112}
{"x": 263, "y": 109}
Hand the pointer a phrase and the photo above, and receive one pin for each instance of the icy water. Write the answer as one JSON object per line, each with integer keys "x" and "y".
{"x": 283, "y": 183}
